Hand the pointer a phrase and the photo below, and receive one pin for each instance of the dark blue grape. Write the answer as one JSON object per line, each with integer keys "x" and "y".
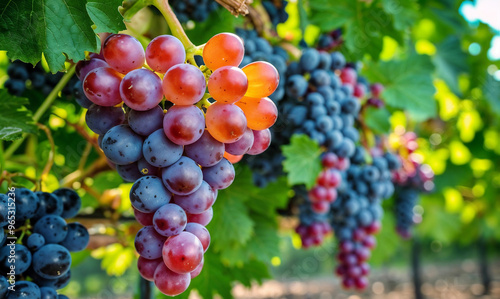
{"x": 338, "y": 61}
{"x": 77, "y": 238}
{"x": 4, "y": 284}
{"x": 53, "y": 228}
{"x": 296, "y": 86}
{"x": 129, "y": 173}
{"x": 51, "y": 261}
{"x": 25, "y": 289}
{"x": 71, "y": 202}
{"x": 309, "y": 59}
{"x": 148, "y": 194}
{"x": 35, "y": 242}
{"x": 27, "y": 203}
{"x": 4, "y": 210}
{"x": 100, "y": 119}
{"x": 121, "y": 145}
{"x": 50, "y": 204}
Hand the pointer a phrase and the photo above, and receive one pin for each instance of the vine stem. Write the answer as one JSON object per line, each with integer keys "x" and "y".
{"x": 173, "y": 23}
{"x": 41, "y": 110}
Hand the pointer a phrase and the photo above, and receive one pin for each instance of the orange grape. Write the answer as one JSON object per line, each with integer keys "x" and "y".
{"x": 184, "y": 84}
{"x": 226, "y": 122}
{"x": 227, "y": 84}
{"x": 261, "y": 113}
{"x": 263, "y": 79}
{"x": 223, "y": 49}
{"x": 232, "y": 158}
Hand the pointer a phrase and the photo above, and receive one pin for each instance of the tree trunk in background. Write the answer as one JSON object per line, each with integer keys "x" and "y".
{"x": 145, "y": 289}
{"x": 483, "y": 265}
{"x": 415, "y": 268}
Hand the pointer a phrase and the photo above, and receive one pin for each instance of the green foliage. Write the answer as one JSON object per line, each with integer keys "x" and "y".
{"x": 302, "y": 162}
{"x": 408, "y": 84}
{"x": 378, "y": 119}
{"x": 449, "y": 62}
{"x": 492, "y": 93}
{"x": 15, "y": 119}
{"x": 58, "y": 29}
{"x": 218, "y": 21}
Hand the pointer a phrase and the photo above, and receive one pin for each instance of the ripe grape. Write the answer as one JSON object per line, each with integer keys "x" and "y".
{"x": 198, "y": 201}
{"x": 159, "y": 151}
{"x": 223, "y": 49}
{"x": 149, "y": 243}
{"x": 53, "y": 228}
{"x": 226, "y": 122}
{"x": 184, "y": 84}
{"x": 184, "y": 125}
{"x": 141, "y": 89}
{"x": 123, "y": 52}
{"x": 147, "y": 267}
{"x": 203, "y": 218}
{"x": 241, "y": 146}
{"x": 146, "y": 122}
{"x": 145, "y": 219}
{"x": 183, "y": 177}
{"x": 27, "y": 204}
{"x": 169, "y": 282}
{"x": 197, "y": 270}
{"x": 263, "y": 79}
{"x": 129, "y": 173}
{"x": 77, "y": 238}
{"x": 182, "y": 253}
{"x": 262, "y": 140}
{"x": 163, "y": 52}
{"x": 261, "y": 113}
{"x": 121, "y": 145}
{"x": 51, "y": 261}
{"x": 201, "y": 233}
{"x": 148, "y": 194}
{"x": 227, "y": 84}
{"x": 83, "y": 67}
{"x": 102, "y": 86}
{"x": 169, "y": 220}
{"x": 100, "y": 119}
{"x": 206, "y": 151}
{"x": 219, "y": 176}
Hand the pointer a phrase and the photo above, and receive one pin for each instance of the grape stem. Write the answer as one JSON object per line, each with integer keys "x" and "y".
{"x": 173, "y": 23}
{"x": 41, "y": 110}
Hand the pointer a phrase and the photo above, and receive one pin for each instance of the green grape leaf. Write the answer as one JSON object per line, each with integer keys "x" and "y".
{"x": 105, "y": 15}
{"x": 15, "y": 119}
{"x": 404, "y": 13}
{"x": 302, "y": 161}
{"x": 329, "y": 15}
{"x": 450, "y": 62}
{"x": 408, "y": 84}
{"x": 266, "y": 200}
{"x": 491, "y": 90}
{"x": 58, "y": 29}
{"x": 218, "y": 21}
{"x": 264, "y": 245}
{"x": 377, "y": 119}
{"x": 359, "y": 40}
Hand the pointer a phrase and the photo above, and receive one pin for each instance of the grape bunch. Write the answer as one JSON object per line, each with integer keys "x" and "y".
{"x": 196, "y": 10}
{"x": 177, "y": 157}
{"x": 24, "y": 76}
{"x": 276, "y": 9}
{"x": 411, "y": 179}
{"x": 37, "y": 241}
{"x": 356, "y": 214}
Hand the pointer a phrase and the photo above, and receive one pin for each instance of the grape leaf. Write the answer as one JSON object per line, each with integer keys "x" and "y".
{"x": 15, "y": 119}
{"x": 408, "y": 84}
{"x": 329, "y": 15}
{"x": 266, "y": 200}
{"x": 264, "y": 245}
{"x": 450, "y": 61}
{"x": 404, "y": 13}
{"x": 58, "y": 29}
{"x": 302, "y": 161}
{"x": 105, "y": 15}
{"x": 491, "y": 89}
{"x": 377, "y": 119}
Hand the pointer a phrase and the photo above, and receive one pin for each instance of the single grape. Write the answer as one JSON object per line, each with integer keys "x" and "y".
{"x": 310, "y": 59}
{"x": 227, "y": 84}
{"x": 148, "y": 194}
{"x": 169, "y": 220}
{"x": 184, "y": 125}
{"x": 48, "y": 293}
{"x": 198, "y": 201}
{"x": 102, "y": 86}
{"x": 129, "y": 173}
{"x": 149, "y": 243}
{"x": 123, "y": 52}
{"x": 261, "y": 113}
{"x": 49, "y": 204}
{"x": 35, "y": 242}
{"x": 71, "y": 202}
{"x": 121, "y": 145}
{"x": 25, "y": 289}
{"x": 206, "y": 151}
{"x": 219, "y": 176}
{"x": 169, "y": 282}
{"x": 223, "y": 49}
{"x": 159, "y": 151}
{"x": 145, "y": 219}
{"x": 53, "y": 228}
{"x": 147, "y": 169}
{"x": 100, "y": 119}
{"x": 146, "y": 122}
{"x": 27, "y": 204}
{"x": 203, "y": 218}
{"x": 226, "y": 122}
{"x": 21, "y": 258}
{"x": 200, "y": 232}
{"x": 83, "y": 67}
{"x": 147, "y": 267}
{"x": 51, "y": 261}
{"x": 263, "y": 79}
{"x": 184, "y": 84}
{"x": 141, "y": 89}
{"x": 241, "y": 146}
{"x": 183, "y": 177}
{"x": 163, "y": 52}
{"x": 262, "y": 140}
{"x": 182, "y": 253}
{"x": 57, "y": 283}
{"x": 198, "y": 269}
{"x": 77, "y": 238}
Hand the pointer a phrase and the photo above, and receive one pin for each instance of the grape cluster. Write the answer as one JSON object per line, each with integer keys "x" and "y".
{"x": 357, "y": 212}
{"x": 24, "y": 76}
{"x": 179, "y": 157}
{"x": 411, "y": 179}
{"x": 196, "y": 10}
{"x": 39, "y": 242}
{"x": 276, "y": 9}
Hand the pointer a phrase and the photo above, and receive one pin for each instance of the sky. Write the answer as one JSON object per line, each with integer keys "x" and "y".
{"x": 486, "y": 11}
